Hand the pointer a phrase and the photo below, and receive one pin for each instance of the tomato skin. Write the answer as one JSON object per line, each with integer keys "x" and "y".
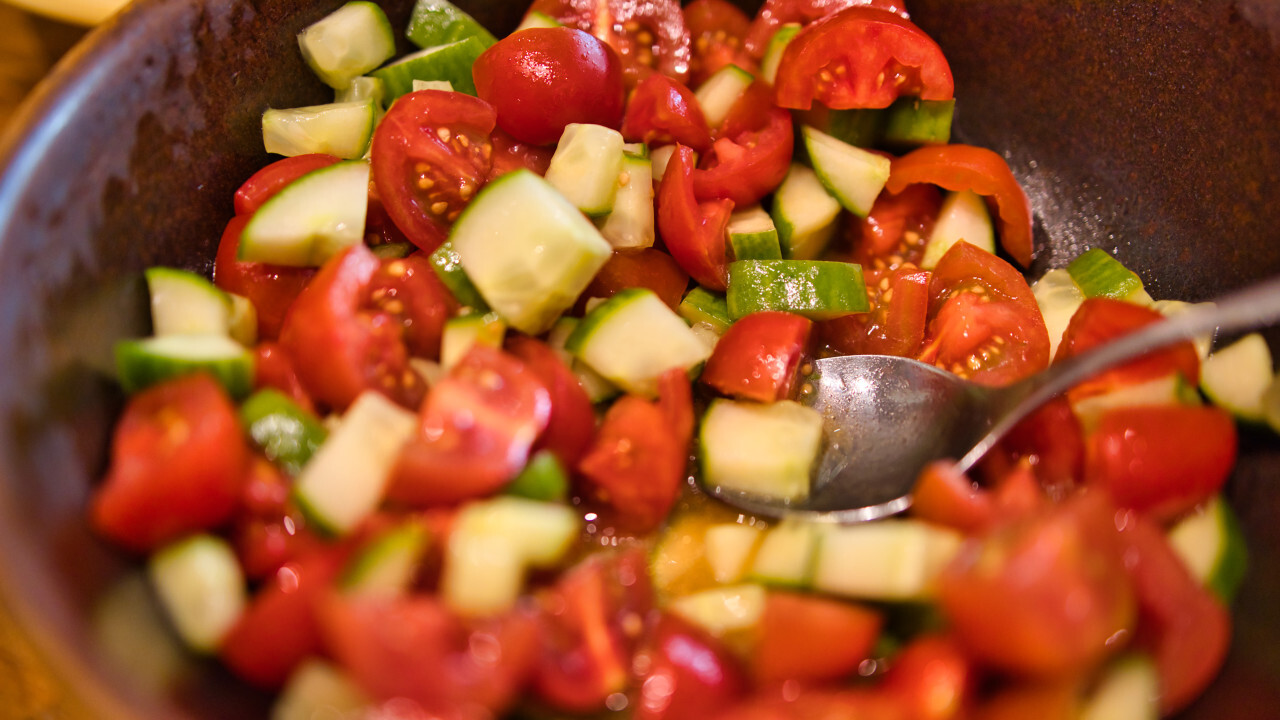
{"x": 1054, "y": 699}
{"x": 430, "y": 154}
{"x": 689, "y": 674}
{"x": 776, "y": 13}
{"x": 882, "y": 55}
{"x": 268, "y": 181}
{"x": 897, "y": 229}
{"x": 511, "y": 154}
{"x": 1161, "y": 460}
{"x": 641, "y": 267}
{"x": 571, "y": 424}
{"x": 268, "y": 531}
{"x": 821, "y": 703}
{"x": 717, "y": 29}
{"x": 409, "y": 290}
{"x": 648, "y": 35}
{"x": 662, "y": 111}
{"x": 271, "y": 288}
{"x": 1051, "y": 439}
{"x": 966, "y": 167}
{"x": 806, "y": 637}
{"x": 949, "y": 498}
{"x": 541, "y": 80}
{"x": 694, "y": 233}
{"x": 273, "y": 367}
{"x": 178, "y": 461}
{"x": 934, "y": 677}
{"x": 746, "y": 166}
{"x": 758, "y": 357}
{"x": 892, "y": 327}
{"x": 1100, "y": 320}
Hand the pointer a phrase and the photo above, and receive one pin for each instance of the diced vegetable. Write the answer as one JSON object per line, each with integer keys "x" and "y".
{"x": 764, "y": 449}
{"x": 201, "y": 587}
{"x": 347, "y": 43}
{"x": 816, "y": 289}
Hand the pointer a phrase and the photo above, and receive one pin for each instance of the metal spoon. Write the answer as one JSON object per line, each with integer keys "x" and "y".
{"x": 887, "y": 417}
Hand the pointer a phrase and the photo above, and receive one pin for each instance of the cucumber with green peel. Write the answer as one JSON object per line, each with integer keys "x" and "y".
{"x": 852, "y": 175}
{"x": 319, "y": 689}
{"x": 1099, "y": 274}
{"x": 887, "y": 560}
{"x": 785, "y": 555}
{"x": 439, "y": 22}
{"x": 347, "y": 476}
{"x": 586, "y": 167}
{"x": 660, "y": 157}
{"x": 703, "y": 306}
{"x": 753, "y": 235}
{"x": 1212, "y": 545}
{"x": 773, "y": 51}
{"x": 286, "y": 433}
{"x": 393, "y": 251}
{"x": 816, "y": 289}
{"x": 340, "y": 128}
{"x": 632, "y": 338}
{"x": 1058, "y": 297}
{"x": 543, "y": 478}
{"x": 184, "y": 303}
{"x": 535, "y": 19}
{"x": 361, "y": 89}
{"x": 963, "y": 216}
{"x": 1128, "y": 689}
{"x": 804, "y": 213}
{"x": 448, "y": 267}
{"x": 312, "y": 219}
{"x": 143, "y": 362}
{"x": 464, "y": 331}
{"x": 451, "y": 62}
{"x": 860, "y": 127}
{"x": 347, "y": 43}
{"x": 242, "y": 325}
{"x": 388, "y": 565}
{"x": 631, "y": 222}
{"x": 598, "y": 388}
{"x": 201, "y": 588}
{"x": 1236, "y": 377}
{"x": 729, "y": 550}
{"x": 912, "y": 122}
{"x": 722, "y": 610}
{"x": 528, "y": 251}
{"x": 766, "y": 449}
{"x": 718, "y": 93}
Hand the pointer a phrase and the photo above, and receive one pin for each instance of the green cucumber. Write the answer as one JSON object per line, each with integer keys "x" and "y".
{"x": 762, "y": 449}
{"x": 464, "y": 331}
{"x": 1129, "y": 689}
{"x": 887, "y": 560}
{"x": 347, "y": 476}
{"x": 286, "y": 433}
{"x": 1236, "y": 377}
{"x": 852, "y": 175}
{"x": 1212, "y": 545}
{"x": 816, "y": 289}
{"x": 439, "y": 22}
{"x": 1098, "y": 274}
{"x": 361, "y": 89}
{"x": 201, "y": 588}
{"x": 785, "y": 555}
{"x": 773, "y": 52}
{"x": 242, "y": 325}
{"x": 1058, "y": 297}
{"x": 543, "y": 478}
{"x": 598, "y": 388}
{"x": 703, "y": 306}
{"x": 527, "y": 250}
{"x": 341, "y": 128}
{"x": 1171, "y": 308}
{"x": 448, "y": 267}
{"x": 912, "y": 122}
{"x": 347, "y": 43}
{"x": 450, "y": 62}
{"x": 753, "y": 235}
{"x": 718, "y": 94}
{"x": 586, "y": 167}
{"x": 722, "y": 610}
{"x": 184, "y": 303}
{"x": 804, "y": 213}
{"x": 729, "y": 548}
{"x": 312, "y": 219}
{"x": 631, "y": 222}
{"x": 388, "y": 565}
{"x": 963, "y": 216}
{"x": 535, "y": 19}
{"x": 141, "y": 363}
{"x": 319, "y": 689}
{"x": 632, "y": 338}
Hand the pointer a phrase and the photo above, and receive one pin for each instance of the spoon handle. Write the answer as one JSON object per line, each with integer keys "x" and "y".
{"x": 1253, "y": 307}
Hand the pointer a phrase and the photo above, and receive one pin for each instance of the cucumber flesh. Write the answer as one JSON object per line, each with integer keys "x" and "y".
{"x": 729, "y": 548}
{"x": 586, "y": 167}
{"x": 286, "y": 433}
{"x": 439, "y": 22}
{"x": 1058, "y": 297}
{"x": 451, "y": 62}
{"x": 1129, "y": 689}
{"x": 599, "y": 388}
{"x": 1236, "y": 377}
{"x": 318, "y": 689}
{"x": 1098, "y": 274}
{"x": 347, "y": 43}
{"x": 804, "y": 213}
{"x": 201, "y": 587}
{"x": 773, "y": 52}
{"x": 242, "y": 325}
{"x": 816, "y": 289}
{"x": 543, "y": 478}
{"x": 852, "y": 175}
{"x": 535, "y": 19}
{"x": 363, "y": 88}
{"x": 785, "y": 555}
{"x": 760, "y": 449}
{"x": 631, "y": 222}
{"x": 312, "y": 219}
{"x": 464, "y": 331}
{"x": 722, "y": 610}
{"x": 1170, "y": 308}
{"x": 1172, "y": 389}
{"x": 184, "y": 303}
{"x": 962, "y": 217}
{"x": 888, "y": 560}
{"x": 718, "y": 94}
{"x": 340, "y": 128}
{"x": 448, "y": 267}
{"x": 141, "y": 363}
{"x": 1212, "y": 545}
{"x": 388, "y": 565}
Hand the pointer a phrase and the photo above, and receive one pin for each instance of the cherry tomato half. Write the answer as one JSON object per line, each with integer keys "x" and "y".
{"x": 776, "y": 13}
{"x": 648, "y": 34}
{"x": 662, "y": 111}
{"x": 693, "y": 232}
{"x": 894, "y": 325}
{"x": 759, "y": 356}
{"x": 271, "y": 288}
{"x": 717, "y": 29}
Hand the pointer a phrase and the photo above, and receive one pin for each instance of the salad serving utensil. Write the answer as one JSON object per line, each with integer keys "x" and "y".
{"x": 885, "y": 418}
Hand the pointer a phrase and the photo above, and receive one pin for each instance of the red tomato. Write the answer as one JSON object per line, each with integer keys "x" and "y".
{"x": 793, "y": 703}
{"x": 271, "y": 288}
{"x": 542, "y": 79}
{"x": 414, "y": 648}
{"x": 475, "y": 432}
{"x": 178, "y": 461}
{"x": 1051, "y": 440}
{"x": 758, "y": 357}
{"x": 806, "y": 637}
{"x": 694, "y": 233}
{"x": 273, "y": 367}
{"x": 409, "y": 291}
{"x": 746, "y": 166}
{"x": 1161, "y": 460}
{"x": 640, "y": 267}
{"x": 896, "y": 322}
{"x": 269, "y": 531}
{"x": 1053, "y": 699}
{"x": 861, "y": 57}
{"x": 965, "y": 167}
{"x": 949, "y": 498}
{"x": 636, "y": 465}
{"x": 984, "y": 323}
{"x": 592, "y": 621}
{"x": 717, "y": 29}
{"x": 431, "y": 154}
{"x": 362, "y": 346}
{"x": 662, "y": 111}
{"x": 1179, "y": 621}
{"x": 776, "y": 13}
{"x": 648, "y": 34}
{"x": 1100, "y": 320}
{"x": 687, "y": 674}
{"x": 933, "y": 677}
{"x": 1043, "y": 596}
{"x": 572, "y": 423}
{"x": 511, "y": 154}
{"x": 897, "y": 229}
{"x": 675, "y": 400}
{"x": 268, "y": 181}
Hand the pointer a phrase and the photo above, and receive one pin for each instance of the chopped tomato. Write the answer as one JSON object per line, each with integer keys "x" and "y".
{"x": 264, "y": 184}
{"x": 934, "y": 677}
{"x": 571, "y": 424}
{"x": 675, "y": 400}
{"x": 1052, "y": 699}
{"x": 949, "y": 498}
{"x": 776, "y": 13}
{"x": 431, "y": 153}
{"x": 685, "y": 674}
{"x": 806, "y": 637}
{"x": 1161, "y": 460}
{"x": 717, "y": 29}
{"x": 273, "y": 367}
{"x": 749, "y": 164}
{"x": 897, "y": 229}
{"x": 269, "y": 531}
{"x": 541, "y": 80}
{"x": 476, "y": 429}
{"x": 965, "y": 167}
{"x": 639, "y": 267}
{"x": 788, "y": 702}
{"x": 861, "y": 57}
{"x": 1099, "y": 320}
{"x": 894, "y": 325}
{"x": 409, "y": 291}
{"x": 271, "y": 288}
{"x": 178, "y": 460}
{"x": 693, "y": 232}
{"x": 662, "y": 111}
{"x": 1051, "y": 440}
{"x": 758, "y": 357}
{"x": 511, "y": 154}
{"x": 648, "y": 34}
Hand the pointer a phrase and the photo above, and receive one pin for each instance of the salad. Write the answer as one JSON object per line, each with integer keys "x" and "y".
{"x": 433, "y": 441}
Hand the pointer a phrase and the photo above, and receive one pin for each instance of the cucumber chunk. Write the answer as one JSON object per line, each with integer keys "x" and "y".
{"x": 318, "y": 689}
{"x": 340, "y": 128}
{"x": 464, "y": 331}
{"x": 816, "y": 289}
{"x": 1170, "y": 308}
{"x": 448, "y": 266}
{"x": 201, "y": 587}
{"x": 451, "y": 62}
{"x": 1235, "y": 377}
{"x": 543, "y": 478}
{"x": 1098, "y": 274}
{"x": 753, "y": 235}
{"x": 1129, "y": 689}
{"x": 387, "y": 566}
{"x": 184, "y": 303}
{"x": 804, "y": 213}
{"x": 287, "y": 434}
{"x": 786, "y": 554}
{"x": 702, "y": 306}
{"x": 718, "y": 94}
{"x": 852, "y": 175}
{"x": 141, "y": 363}
{"x": 1212, "y": 545}
{"x": 888, "y": 560}
{"x": 599, "y": 389}
{"x": 729, "y": 548}
{"x": 242, "y": 325}
{"x": 528, "y": 251}
{"x": 912, "y": 122}
{"x": 761, "y": 449}
{"x": 963, "y": 216}
{"x": 723, "y": 609}
{"x": 439, "y": 22}
{"x": 363, "y": 88}
{"x": 312, "y": 219}
{"x": 347, "y": 43}
{"x": 631, "y": 222}
{"x": 632, "y": 338}
{"x": 773, "y": 51}
{"x": 1058, "y": 297}
{"x": 586, "y": 167}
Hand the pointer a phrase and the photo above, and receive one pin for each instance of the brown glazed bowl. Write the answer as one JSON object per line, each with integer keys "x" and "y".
{"x": 1146, "y": 127}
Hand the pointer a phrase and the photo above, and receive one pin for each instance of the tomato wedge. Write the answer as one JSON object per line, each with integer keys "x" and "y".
{"x": 759, "y": 356}
{"x": 1100, "y": 320}
{"x": 571, "y": 424}
{"x": 271, "y": 288}
{"x": 805, "y": 637}
{"x": 686, "y": 674}
{"x": 934, "y": 676}
{"x": 749, "y": 163}
{"x": 717, "y": 29}
{"x": 966, "y": 167}
{"x": 776, "y": 13}
{"x": 268, "y": 181}
{"x": 895, "y": 324}
{"x": 897, "y": 229}
{"x": 639, "y": 267}
{"x": 648, "y": 34}
{"x": 861, "y": 57}
{"x": 662, "y": 111}
{"x": 693, "y": 232}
